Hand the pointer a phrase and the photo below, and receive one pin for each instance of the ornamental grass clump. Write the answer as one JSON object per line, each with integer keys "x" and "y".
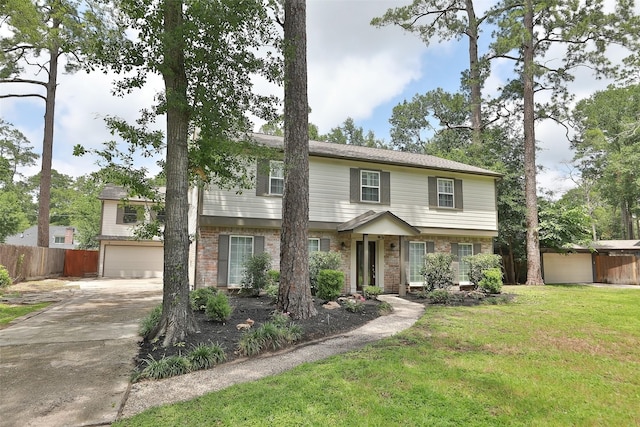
{"x": 273, "y": 335}
{"x": 165, "y": 367}
{"x": 205, "y": 356}
{"x": 149, "y": 322}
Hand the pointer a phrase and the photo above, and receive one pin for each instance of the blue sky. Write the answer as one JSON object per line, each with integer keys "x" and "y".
{"x": 355, "y": 70}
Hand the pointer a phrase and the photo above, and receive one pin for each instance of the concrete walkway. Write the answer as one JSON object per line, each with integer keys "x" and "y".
{"x": 70, "y": 364}
{"x": 149, "y": 394}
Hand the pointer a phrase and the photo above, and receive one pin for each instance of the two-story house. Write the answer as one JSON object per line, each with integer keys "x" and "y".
{"x": 122, "y": 255}
{"x": 382, "y": 210}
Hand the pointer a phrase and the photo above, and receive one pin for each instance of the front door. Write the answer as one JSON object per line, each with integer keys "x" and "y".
{"x": 360, "y": 264}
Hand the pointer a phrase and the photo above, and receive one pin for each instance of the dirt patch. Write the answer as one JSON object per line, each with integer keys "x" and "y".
{"x": 326, "y": 323}
{"x": 36, "y": 286}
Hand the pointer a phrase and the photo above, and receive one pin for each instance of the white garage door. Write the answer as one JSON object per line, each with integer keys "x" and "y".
{"x": 133, "y": 261}
{"x": 567, "y": 268}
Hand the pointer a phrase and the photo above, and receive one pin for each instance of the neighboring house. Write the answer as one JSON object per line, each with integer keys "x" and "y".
{"x": 382, "y": 210}
{"x": 121, "y": 254}
{"x": 604, "y": 261}
{"x": 60, "y": 236}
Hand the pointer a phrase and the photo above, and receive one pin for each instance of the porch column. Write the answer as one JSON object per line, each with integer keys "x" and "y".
{"x": 402, "y": 289}
{"x": 366, "y": 267}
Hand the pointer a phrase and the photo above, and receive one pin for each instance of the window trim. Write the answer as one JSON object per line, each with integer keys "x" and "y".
{"x": 424, "y": 246}
{"x": 58, "y": 237}
{"x": 378, "y": 187}
{"x": 315, "y": 239}
{"x": 460, "y": 261}
{"x": 452, "y": 194}
{"x": 279, "y": 164}
{"x": 231, "y": 237}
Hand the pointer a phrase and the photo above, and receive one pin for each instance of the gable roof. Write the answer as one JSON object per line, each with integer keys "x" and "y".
{"x": 377, "y": 155}
{"x": 29, "y": 237}
{"x": 362, "y": 223}
{"x": 116, "y": 192}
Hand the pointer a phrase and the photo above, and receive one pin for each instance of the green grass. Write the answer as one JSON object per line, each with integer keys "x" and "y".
{"x": 10, "y": 312}
{"x": 557, "y": 356}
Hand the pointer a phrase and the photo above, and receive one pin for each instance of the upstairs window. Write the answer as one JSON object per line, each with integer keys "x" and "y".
{"x": 445, "y": 193}
{"x": 128, "y": 214}
{"x": 276, "y": 177}
{"x": 58, "y": 240}
{"x": 370, "y": 186}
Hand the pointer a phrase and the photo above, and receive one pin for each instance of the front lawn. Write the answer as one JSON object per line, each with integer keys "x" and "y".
{"x": 557, "y": 355}
{"x": 10, "y": 312}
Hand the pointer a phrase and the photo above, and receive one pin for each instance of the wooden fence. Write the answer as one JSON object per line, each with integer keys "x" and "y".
{"x": 622, "y": 270}
{"x": 31, "y": 262}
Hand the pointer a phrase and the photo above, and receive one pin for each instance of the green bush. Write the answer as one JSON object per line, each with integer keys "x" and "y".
{"x": 5, "y": 280}
{"x": 353, "y": 306}
{"x": 273, "y": 277}
{"x": 437, "y": 271}
{"x": 198, "y": 298}
{"x": 479, "y": 263}
{"x": 218, "y": 308}
{"x": 330, "y": 284}
{"x": 385, "y": 308}
{"x": 205, "y": 356}
{"x": 149, "y": 322}
{"x": 491, "y": 282}
{"x": 275, "y": 334}
{"x": 255, "y": 276}
{"x": 439, "y": 296}
{"x": 322, "y": 260}
{"x": 371, "y": 292}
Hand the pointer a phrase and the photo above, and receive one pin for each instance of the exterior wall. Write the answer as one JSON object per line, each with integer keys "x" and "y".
{"x": 329, "y": 198}
{"x": 110, "y": 227}
{"x": 388, "y": 275}
{"x": 567, "y": 268}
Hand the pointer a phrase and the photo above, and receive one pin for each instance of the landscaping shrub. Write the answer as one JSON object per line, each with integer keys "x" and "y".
{"x": 371, "y": 292}
{"x": 437, "y": 271}
{"x": 439, "y": 296}
{"x": 198, "y": 298}
{"x": 353, "y": 306}
{"x": 218, "y": 308}
{"x": 255, "y": 276}
{"x": 479, "y": 263}
{"x": 491, "y": 282}
{"x": 5, "y": 280}
{"x": 205, "y": 356}
{"x": 330, "y": 284}
{"x": 273, "y": 277}
{"x": 274, "y": 335}
{"x": 322, "y": 261}
{"x": 149, "y": 322}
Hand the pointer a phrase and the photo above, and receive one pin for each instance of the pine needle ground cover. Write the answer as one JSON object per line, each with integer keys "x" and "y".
{"x": 556, "y": 355}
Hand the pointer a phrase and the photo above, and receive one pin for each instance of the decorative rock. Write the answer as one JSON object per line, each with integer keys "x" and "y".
{"x": 331, "y": 305}
{"x": 243, "y": 326}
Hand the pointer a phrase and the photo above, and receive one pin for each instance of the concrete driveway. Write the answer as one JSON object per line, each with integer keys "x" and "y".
{"x": 70, "y": 364}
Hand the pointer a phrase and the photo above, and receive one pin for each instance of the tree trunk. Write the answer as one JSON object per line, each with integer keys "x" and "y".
{"x": 534, "y": 274}
{"x": 44, "y": 200}
{"x": 177, "y": 318}
{"x": 475, "y": 83}
{"x": 294, "y": 295}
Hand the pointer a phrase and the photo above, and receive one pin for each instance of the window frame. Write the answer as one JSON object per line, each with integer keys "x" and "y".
{"x": 234, "y": 269}
{"x": 452, "y": 194}
{"x": 463, "y": 267}
{"x": 411, "y": 262}
{"x": 378, "y": 187}
{"x": 276, "y": 165}
{"x": 314, "y": 239}
{"x": 56, "y": 242}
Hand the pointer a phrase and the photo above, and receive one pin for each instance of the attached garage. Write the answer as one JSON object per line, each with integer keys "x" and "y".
{"x": 132, "y": 261}
{"x": 567, "y": 268}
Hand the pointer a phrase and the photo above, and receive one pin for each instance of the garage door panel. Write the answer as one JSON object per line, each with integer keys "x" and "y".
{"x": 133, "y": 261}
{"x": 567, "y": 268}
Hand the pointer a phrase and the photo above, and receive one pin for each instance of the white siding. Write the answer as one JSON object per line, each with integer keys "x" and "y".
{"x": 329, "y": 198}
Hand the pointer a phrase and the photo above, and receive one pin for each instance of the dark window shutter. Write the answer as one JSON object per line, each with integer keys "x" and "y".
{"x": 431, "y": 247}
{"x": 258, "y": 244}
{"x": 324, "y": 245}
{"x": 454, "y": 251}
{"x": 262, "y": 178}
{"x": 405, "y": 251}
{"x": 432, "y": 188}
{"x": 457, "y": 189}
{"x": 223, "y": 259}
{"x": 354, "y": 185}
{"x": 477, "y": 248}
{"x": 120, "y": 215}
{"x": 385, "y": 188}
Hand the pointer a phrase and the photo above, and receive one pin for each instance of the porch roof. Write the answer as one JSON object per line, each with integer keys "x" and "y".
{"x": 381, "y": 223}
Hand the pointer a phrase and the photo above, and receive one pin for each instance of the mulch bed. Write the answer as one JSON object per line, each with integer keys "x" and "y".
{"x": 259, "y": 309}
